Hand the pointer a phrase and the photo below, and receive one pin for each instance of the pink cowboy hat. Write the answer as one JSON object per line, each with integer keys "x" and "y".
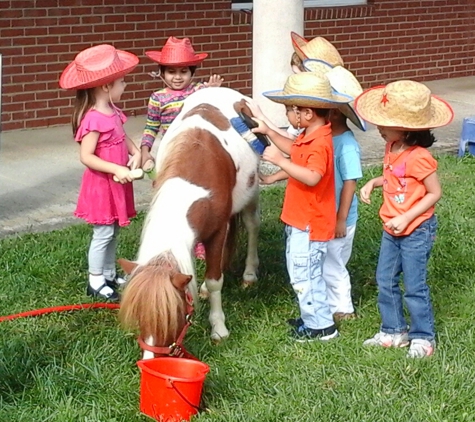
{"x": 177, "y": 52}
{"x": 97, "y": 66}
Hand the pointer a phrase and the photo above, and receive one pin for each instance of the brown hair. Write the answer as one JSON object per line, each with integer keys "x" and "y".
{"x": 296, "y": 61}
{"x": 84, "y": 101}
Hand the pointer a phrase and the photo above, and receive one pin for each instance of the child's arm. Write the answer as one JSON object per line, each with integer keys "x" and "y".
{"x": 284, "y": 143}
{"x": 346, "y": 198}
{"x": 152, "y": 126}
{"x": 434, "y": 192}
{"x": 91, "y": 160}
{"x": 269, "y": 179}
{"x": 365, "y": 191}
{"x": 136, "y": 159}
{"x": 302, "y": 174}
{"x": 258, "y": 114}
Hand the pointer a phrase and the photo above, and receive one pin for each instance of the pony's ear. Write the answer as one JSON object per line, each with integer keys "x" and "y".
{"x": 127, "y": 266}
{"x": 180, "y": 281}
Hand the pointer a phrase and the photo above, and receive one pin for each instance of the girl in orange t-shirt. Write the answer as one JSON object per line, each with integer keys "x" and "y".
{"x": 404, "y": 111}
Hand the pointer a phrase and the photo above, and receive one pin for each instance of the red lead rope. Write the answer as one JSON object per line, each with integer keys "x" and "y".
{"x": 54, "y": 309}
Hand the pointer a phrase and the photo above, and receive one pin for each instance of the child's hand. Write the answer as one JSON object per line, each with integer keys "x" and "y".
{"x": 365, "y": 192}
{"x": 255, "y": 109}
{"x": 122, "y": 174}
{"x": 340, "y": 230}
{"x": 215, "y": 80}
{"x": 261, "y": 128}
{"x": 273, "y": 155}
{"x": 146, "y": 156}
{"x": 135, "y": 161}
{"x": 266, "y": 179}
{"x": 397, "y": 224}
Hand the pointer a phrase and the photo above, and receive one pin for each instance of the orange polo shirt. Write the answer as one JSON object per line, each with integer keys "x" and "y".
{"x": 312, "y": 206}
{"x": 403, "y": 184}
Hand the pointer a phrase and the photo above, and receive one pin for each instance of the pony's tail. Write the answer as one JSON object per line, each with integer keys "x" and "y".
{"x": 231, "y": 238}
{"x": 151, "y": 304}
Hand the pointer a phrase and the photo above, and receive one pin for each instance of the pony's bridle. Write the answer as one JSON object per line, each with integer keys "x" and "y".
{"x": 175, "y": 349}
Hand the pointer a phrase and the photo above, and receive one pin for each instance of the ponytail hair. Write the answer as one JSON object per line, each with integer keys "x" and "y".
{"x": 84, "y": 101}
{"x": 420, "y": 138}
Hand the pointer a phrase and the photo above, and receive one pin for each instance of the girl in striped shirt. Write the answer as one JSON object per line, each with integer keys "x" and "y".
{"x": 178, "y": 62}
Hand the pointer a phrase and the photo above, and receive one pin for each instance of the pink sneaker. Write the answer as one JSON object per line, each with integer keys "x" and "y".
{"x": 200, "y": 252}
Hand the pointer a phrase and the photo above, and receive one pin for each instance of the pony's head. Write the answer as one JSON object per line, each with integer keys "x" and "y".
{"x": 154, "y": 301}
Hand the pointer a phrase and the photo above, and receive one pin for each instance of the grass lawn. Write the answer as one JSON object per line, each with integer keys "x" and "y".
{"x": 82, "y": 367}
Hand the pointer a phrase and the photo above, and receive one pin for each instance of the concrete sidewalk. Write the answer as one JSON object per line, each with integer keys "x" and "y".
{"x": 40, "y": 171}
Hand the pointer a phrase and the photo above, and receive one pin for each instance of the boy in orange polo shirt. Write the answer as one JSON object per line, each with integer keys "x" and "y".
{"x": 309, "y": 204}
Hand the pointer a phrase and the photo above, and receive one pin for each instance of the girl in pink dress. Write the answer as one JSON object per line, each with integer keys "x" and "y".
{"x": 106, "y": 197}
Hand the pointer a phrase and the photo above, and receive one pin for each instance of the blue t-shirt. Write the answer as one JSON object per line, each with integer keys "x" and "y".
{"x": 347, "y": 167}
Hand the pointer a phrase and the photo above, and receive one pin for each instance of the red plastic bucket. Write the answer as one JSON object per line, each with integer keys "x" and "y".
{"x": 170, "y": 388}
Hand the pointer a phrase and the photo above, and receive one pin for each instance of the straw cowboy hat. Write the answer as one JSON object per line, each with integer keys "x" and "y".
{"x": 405, "y": 105}
{"x": 308, "y": 89}
{"x": 97, "y": 66}
{"x": 341, "y": 80}
{"x": 177, "y": 52}
{"x": 318, "y": 48}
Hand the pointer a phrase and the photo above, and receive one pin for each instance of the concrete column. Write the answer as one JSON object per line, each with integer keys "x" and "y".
{"x": 273, "y": 20}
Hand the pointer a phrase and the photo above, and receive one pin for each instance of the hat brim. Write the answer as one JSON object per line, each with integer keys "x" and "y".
{"x": 350, "y": 113}
{"x": 307, "y": 100}
{"x": 317, "y": 66}
{"x": 368, "y": 107}
{"x": 156, "y": 57}
{"x": 70, "y": 79}
{"x": 298, "y": 42}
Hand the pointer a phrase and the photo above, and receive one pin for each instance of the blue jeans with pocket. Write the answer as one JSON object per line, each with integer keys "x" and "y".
{"x": 408, "y": 255}
{"x": 304, "y": 264}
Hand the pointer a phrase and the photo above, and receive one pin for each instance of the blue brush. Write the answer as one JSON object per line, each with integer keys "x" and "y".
{"x": 240, "y": 126}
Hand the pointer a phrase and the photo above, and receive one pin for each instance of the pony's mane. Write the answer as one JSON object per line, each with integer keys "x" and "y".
{"x": 152, "y": 299}
{"x": 188, "y": 140}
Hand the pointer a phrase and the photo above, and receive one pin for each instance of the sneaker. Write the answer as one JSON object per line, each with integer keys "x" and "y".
{"x": 388, "y": 340}
{"x": 295, "y": 322}
{"x": 303, "y": 334}
{"x": 420, "y": 348}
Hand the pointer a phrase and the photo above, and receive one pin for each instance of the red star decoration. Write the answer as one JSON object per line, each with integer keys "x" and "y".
{"x": 385, "y": 99}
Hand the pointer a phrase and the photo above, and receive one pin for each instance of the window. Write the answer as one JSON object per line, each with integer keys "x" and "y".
{"x": 247, "y": 4}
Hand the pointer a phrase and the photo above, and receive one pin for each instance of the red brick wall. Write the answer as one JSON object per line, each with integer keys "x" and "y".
{"x": 420, "y": 39}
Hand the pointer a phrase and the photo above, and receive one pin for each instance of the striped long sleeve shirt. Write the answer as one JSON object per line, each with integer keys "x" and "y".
{"x": 163, "y": 107}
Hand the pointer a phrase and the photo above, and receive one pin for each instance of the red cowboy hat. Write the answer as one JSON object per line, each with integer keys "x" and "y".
{"x": 96, "y": 66}
{"x": 177, "y": 52}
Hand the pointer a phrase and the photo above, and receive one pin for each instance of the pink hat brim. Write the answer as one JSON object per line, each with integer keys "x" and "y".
{"x": 69, "y": 78}
{"x": 156, "y": 57}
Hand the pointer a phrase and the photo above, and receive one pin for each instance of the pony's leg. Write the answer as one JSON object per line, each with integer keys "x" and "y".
{"x": 251, "y": 219}
{"x": 146, "y": 353}
{"x": 214, "y": 284}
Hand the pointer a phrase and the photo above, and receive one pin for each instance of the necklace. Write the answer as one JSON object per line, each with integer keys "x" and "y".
{"x": 388, "y": 164}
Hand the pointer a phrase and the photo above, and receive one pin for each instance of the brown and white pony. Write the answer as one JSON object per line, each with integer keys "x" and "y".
{"x": 207, "y": 174}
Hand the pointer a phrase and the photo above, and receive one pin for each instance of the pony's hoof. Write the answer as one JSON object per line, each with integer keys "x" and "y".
{"x": 204, "y": 293}
{"x": 219, "y": 337}
{"x": 248, "y": 281}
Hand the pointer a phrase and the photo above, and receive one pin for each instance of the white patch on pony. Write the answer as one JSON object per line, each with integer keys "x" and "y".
{"x": 176, "y": 235}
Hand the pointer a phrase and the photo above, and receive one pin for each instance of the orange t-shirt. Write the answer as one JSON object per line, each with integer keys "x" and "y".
{"x": 403, "y": 184}
{"x": 312, "y": 206}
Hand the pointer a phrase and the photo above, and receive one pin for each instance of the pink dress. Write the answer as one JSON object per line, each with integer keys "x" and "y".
{"x": 101, "y": 200}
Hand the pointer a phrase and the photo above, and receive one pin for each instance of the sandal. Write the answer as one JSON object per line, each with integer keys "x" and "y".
{"x": 112, "y": 297}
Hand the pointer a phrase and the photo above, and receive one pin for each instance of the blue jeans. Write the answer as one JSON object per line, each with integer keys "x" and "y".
{"x": 304, "y": 264}
{"x": 409, "y": 255}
